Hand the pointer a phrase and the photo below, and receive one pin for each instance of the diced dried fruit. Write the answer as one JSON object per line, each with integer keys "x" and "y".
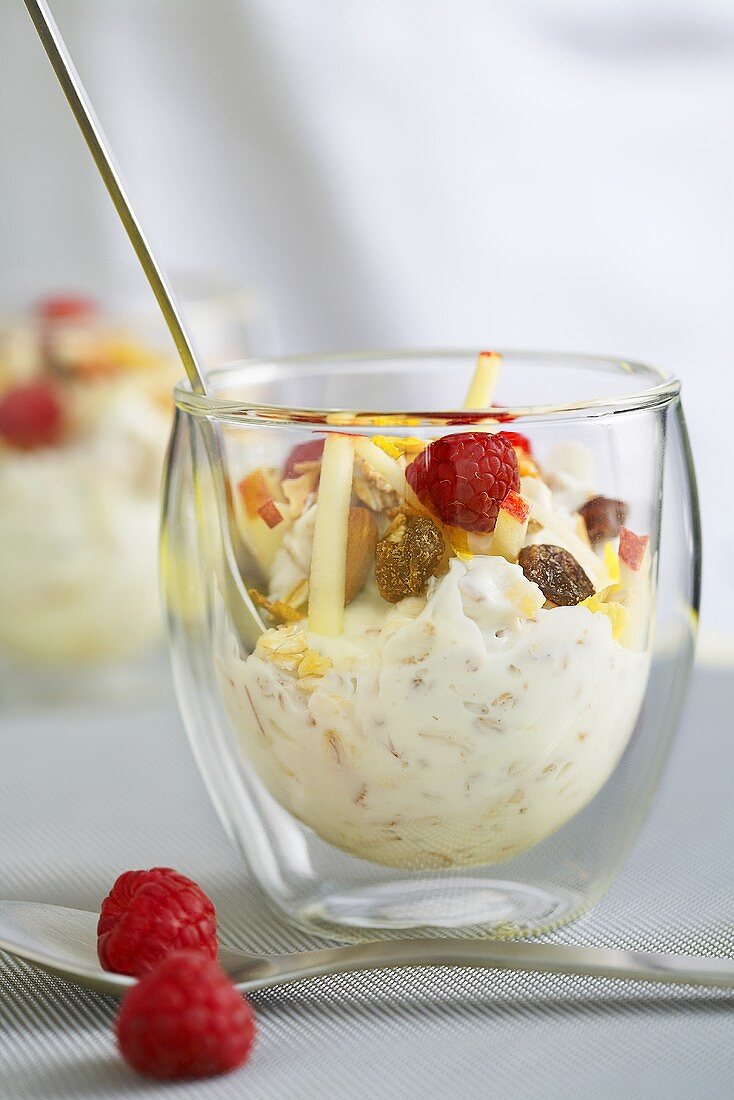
{"x": 603, "y": 518}
{"x": 632, "y": 549}
{"x": 396, "y": 446}
{"x": 303, "y": 452}
{"x": 407, "y": 557}
{"x": 615, "y": 612}
{"x": 463, "y": 478}
{"x": 557, "y": 574}
{"x": 361, "y": 541}
{"x": 270, "y": 513}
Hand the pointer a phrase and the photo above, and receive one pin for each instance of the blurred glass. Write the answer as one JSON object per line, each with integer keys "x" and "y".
{"x": 85, "y": 411}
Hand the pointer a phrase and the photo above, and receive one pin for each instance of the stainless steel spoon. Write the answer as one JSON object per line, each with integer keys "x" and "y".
{"x": 244, "y": 613}
{"x": 63, "y": 942}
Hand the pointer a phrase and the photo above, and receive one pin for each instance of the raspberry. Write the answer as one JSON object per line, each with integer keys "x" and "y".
{"x": 464, "y": 478}
{"x": 185, "y": 1019}
{"x": 303, "y": 452}
{"x": 31, "y": 416}
{"x": 65, "y": 307}
{"x": 149, "y": 914}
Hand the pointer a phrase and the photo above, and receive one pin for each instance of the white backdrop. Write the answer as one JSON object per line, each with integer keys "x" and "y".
{"x": 412, "y": 172}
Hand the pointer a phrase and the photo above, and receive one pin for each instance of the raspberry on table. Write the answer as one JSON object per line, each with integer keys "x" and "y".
{"x": 463, "y": 478}
{"x": 31, "y": 416}
{"x": 149, "y": 914}
{"x": 185, "y": 1019}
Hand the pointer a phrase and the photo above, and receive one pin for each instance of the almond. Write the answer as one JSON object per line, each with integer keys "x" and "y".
{"x": 361, "y": 542}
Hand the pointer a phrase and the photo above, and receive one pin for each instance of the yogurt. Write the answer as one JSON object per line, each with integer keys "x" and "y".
{"x": 450, "y": 730}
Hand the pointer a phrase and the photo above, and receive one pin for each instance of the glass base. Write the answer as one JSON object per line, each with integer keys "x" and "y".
{"x": 474, "y": 906}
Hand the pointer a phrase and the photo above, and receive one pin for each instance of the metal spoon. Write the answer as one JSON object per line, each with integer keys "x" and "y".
{"x": 63, "y": 942}
{"x": 244, "y": 613}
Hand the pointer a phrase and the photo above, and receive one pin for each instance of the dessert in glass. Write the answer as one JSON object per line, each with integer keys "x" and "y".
{"x": 429, "y": 648}
{"x": 85, "y": 414}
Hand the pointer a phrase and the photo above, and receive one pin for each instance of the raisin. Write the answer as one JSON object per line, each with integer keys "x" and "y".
{"x": 557, "y": 574}
{"x": 409, "y": 554}
{"x": 603, "y": 518}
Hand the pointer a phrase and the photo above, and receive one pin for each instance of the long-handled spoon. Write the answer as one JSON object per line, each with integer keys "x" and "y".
{"x": 63, "y": 942}
{"x": 241, "y": 607}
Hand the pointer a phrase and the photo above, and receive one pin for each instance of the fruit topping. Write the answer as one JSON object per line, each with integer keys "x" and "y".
{"x": 31, "y": 416}
{"x": 633, "y": 550}
{"x": 407, "y": 557}
{"x": 557, "y": 574}
{"x": 185, "y": 1020}
{"x": 149, "y": 914}
{"x": 302, "y": 453}
{"x": 329, "y": 556}
{"x": 603, "y": 518}
{"x": 361, "y": 541}
{"x": 484, "y": 381}
{"x": 517, "y": 439}
{"x": 270, "y": 513}
{"x": 463, "y": 478}
{"x": 66, "y": 307}
{"x": 511, "y": 527}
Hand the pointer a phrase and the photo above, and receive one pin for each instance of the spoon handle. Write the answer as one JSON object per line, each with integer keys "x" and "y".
{"x": 486, "y": 954}
{"x": 89, "y": 124}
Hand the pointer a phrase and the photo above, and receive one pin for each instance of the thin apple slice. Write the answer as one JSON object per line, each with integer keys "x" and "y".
{"x": 375, "y": 457}
{"x": 329, "y": 556}
{"x": 511, "y": 527}
{"x": 486, "y": 374}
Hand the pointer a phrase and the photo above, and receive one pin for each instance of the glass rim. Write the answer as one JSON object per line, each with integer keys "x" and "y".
{"x": 665, "y": 389}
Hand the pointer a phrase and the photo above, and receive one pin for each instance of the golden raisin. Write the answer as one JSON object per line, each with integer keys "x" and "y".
{"x": 409, "y": 554}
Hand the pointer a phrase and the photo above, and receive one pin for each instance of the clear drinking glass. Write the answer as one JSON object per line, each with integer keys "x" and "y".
{"x": 478, "y": 756}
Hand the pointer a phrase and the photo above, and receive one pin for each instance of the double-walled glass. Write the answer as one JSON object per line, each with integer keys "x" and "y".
{"x": 473, "y": 741}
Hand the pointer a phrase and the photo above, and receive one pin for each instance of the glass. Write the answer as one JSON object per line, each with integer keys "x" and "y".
{"x": 478, "y": 758}
{"x": 80, "y": 616}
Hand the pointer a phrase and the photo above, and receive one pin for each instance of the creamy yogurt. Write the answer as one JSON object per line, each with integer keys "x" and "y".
{"x": 457, "y": 729}
{"x": 78, "y": 535}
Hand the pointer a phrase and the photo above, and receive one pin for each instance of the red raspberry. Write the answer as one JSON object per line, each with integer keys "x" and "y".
{"x": 31, "y": 416}
{"x": 185, "y": 1019}
{"x": 65, "y": 307}
{"x": 464, "y": 478}
{"x": 149, "y": 914}
{"x": 303, "y": 452}
{"x": 517, "y": 439}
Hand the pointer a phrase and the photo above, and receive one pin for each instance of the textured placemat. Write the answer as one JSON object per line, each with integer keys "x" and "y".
{"x": 84, "y": 795}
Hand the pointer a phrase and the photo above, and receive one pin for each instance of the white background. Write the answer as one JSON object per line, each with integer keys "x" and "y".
{"x": 412, "y": 172}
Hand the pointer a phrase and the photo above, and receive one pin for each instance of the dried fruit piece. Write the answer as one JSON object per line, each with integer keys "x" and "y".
{"x": 270, "y": 513}
{"x": 463, "y": 478}
{"x": 603, "y": 518}
{"x": 557, "y": 574}
{"x": 361, "y": 541}
{"x": 407, "y": 557}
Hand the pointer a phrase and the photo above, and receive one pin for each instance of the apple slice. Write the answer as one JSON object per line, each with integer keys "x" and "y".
{"x": 633, "y": 589}
{"x": 375, "y": 457}
{"x": 331, "y": 529}
{"x": 258, "y": 506}
{"x": 486, "y": 374}
{"x": 511, "y": 527}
